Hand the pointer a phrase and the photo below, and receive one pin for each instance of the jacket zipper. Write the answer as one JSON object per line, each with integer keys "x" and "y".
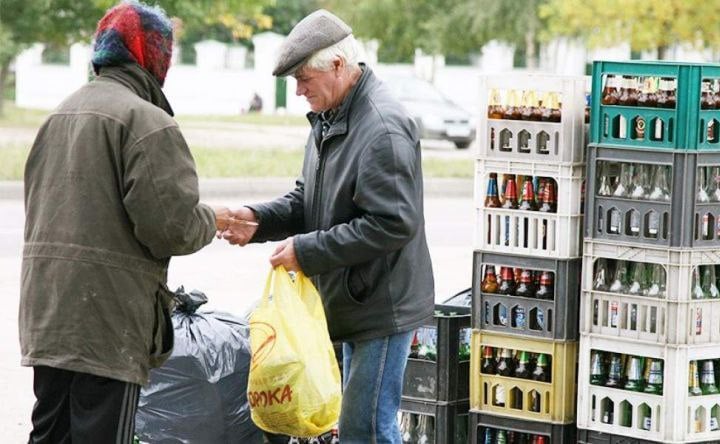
{"x": 318, "y": 182}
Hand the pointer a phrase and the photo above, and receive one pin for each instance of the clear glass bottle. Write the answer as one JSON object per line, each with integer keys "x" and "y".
{"x": 620, "y": 279}
{"x": 660, "y": 190}
{"x": 624, "y": 184}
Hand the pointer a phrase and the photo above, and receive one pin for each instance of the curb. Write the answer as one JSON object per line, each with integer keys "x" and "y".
{"x": 270, "y": 186}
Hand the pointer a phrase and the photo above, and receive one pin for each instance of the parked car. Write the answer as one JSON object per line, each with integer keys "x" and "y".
{"x": 437, "y": 117}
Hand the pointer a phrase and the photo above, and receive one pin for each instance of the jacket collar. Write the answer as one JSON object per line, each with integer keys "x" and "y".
{"x": 340, "y": 120}
{"x": 138, "y": 80}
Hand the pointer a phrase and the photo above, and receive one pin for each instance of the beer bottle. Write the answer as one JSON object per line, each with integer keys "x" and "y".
{"x": 492, "y": 199}
{"x": 512, "y": 110}
{"x": 546, "y": 289}
{"x": 548, "y": 199}
{"x": 707, "y": 99}
{"x": 697, "y": 291}
{"x": 625, "y": 415}
{"x": 335, "y": 436}
{"x": 603, "y": 180}
{"x": 666, "y": 94}
{"x": 489, "y": 283}
{"x": 525, "y": 288}
{"x": 529, "y": 105}
{"x": 541, "y": 439}
{"x": 702, "y": 195}
{"x": 505, "y": 365}
{"x": 510, "y": 197}
{"x": 507, "y": 285}
{"x": 588, "y": 99}
{"x": 464, "y": 347}
{"x": 414, "y": 345}
{"x": 295, "y": 440}
{"x": 597, "y": 368}
{"x": 488, "y": 361}
{"x": 634, "y": 375}
{"x": 600, "y": 280}
{"x": 655, "y": 377}
{"x": 555, "y": 113}
{"x": 628, "y": 92}
{"x": 707, "y": 379}
{"x": 637, "y": 277}
{"x": 523, "y": 366}
{"x": 501, "y": 437}
{"x": 619, "y": 283}
{"x": 495, "y": 108}
{"x": 488, "y": 436}
{"x": 610, "y": 93}
{"x": 660, "y": 190}
{"x": 425, "y": 430}
{"x": 528, "y": 195}
{"x": 499, "y": 398}
{"x": 516, "y": 275}
{"x": 647, "y": 97}
{"x": 614, "y": 378}
{"x": 316, "y": 440}
{"x": 541, "y": 372}
{"x": 535, "y": 402}
{"x": 709, "y": 288}
{"x": 645, "y": 417}
{"x": 714, "y": 188}
{"x": 694, "y": 380}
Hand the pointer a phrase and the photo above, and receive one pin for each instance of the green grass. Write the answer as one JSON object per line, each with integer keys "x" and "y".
{"x": 216, "y": 163}
{"x": 21, "y": 117}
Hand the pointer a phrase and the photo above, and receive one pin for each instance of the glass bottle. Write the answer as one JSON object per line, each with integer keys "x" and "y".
{"x": 600, "y": 279}
{"x": 597, "y": 368}
{"x": 641, "y": 182}
{"x": 512, "y": 110}
{"x": 637, "y": 277}
{"x": 623, "y": 187}
{"x": 495, "y": 108}
{"x": 619, "y": 283}
{"x": 548, "y": 199}
{"x": 425, "y": 430}
{"x": 628, "y": 91}
{"x": 488, "y": 366}
{"x": 507, "y": 285}
{"x": 501, "y": 437}
{"x": 546, "y": 289}
{"x": 528, "y": 195}
{"x": 603, "y": 187}
{"x": 707, "y": 378}
{"x": 492, "y": 199}
{"x": 634, "y": 375}
{"x": 610, "y": 92}
{"x": 645, "y": 417}
{"x": 614, "y": 378}
{"x": 709, "y": 287}
{"x": 529, "y": 105}
{"x": 702, "y": 192}
{"x": 655, "y": 377}
{"x": 542, "y": 370}
{"x": 505, "y": 365}
{"x": 694, "y": 380}
{"x": 714, "y": 189}
{"x": 525, "y": 288}
{"x": 666, "y": 93}
{"x": 335, "y": 436}
{"x": 509, "y": 203}
{"x": 522, "y": 370}
{"x": 488, "y": 436}
{"x": 707, "y": 99}
{"x": 647, "y": 97}
{"x": 697, "y": 290}
{"x": 656, "y": 282}
{"x": 660, "y": 189}
{"x": 489, "y": 283}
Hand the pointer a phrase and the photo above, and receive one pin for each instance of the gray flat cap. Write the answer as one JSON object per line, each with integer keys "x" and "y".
{"x": 315, "y": 32}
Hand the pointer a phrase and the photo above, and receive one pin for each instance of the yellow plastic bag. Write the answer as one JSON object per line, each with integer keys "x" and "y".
{"x": 294, "y": 382}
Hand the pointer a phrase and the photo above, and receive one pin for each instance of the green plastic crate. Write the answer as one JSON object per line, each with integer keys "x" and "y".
{"x": 685, "y": 126}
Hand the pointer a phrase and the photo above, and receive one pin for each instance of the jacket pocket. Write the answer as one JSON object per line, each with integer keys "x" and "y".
{"x": 362, "y": 280}
{"x": 163, "y": 334}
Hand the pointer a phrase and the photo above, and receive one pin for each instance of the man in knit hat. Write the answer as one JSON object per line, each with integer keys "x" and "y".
{"x": 355, "y": 221}
{"x": 111, "y": 193}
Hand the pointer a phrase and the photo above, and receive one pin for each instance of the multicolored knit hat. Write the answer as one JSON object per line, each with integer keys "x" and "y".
{"x": 134, "y": 32}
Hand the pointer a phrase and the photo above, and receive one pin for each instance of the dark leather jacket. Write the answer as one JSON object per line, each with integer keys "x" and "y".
{"x": 357, "y": 217}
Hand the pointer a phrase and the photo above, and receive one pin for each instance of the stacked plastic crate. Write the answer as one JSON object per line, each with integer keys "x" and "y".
{"x": 434, "y": 406}
{"x": 650, "y": 307}
{"x": 527, "y": 261}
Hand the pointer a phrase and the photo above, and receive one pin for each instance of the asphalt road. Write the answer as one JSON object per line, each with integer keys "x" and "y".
{"x": 232, "y": 277}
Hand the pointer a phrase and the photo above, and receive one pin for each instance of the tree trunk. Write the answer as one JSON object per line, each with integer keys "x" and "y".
{"x": 530, "y": 56}
{"x": 662, "y": 52}
{"x": 4, "y": 71}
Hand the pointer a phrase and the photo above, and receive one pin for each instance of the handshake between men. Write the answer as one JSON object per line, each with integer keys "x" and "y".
{"x": 239, "y": 226}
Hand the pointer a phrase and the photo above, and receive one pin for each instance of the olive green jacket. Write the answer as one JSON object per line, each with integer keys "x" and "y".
{"x": 110, "y": 194}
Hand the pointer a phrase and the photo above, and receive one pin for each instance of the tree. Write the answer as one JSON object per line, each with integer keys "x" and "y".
{"x": 23, "y": 22}
{"x": 645, "y": 26}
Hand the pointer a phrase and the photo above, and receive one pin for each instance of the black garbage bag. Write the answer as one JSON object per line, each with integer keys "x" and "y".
{"x": 199, "y": 396}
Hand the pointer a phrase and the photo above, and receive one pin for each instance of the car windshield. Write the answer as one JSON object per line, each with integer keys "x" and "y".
{"x": 412, "y": 89}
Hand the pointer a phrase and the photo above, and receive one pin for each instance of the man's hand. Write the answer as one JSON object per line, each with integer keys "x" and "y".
{"x": 222, "y": 218}
{"x": 285, "y": 255}
{"x": 241, "y": 227}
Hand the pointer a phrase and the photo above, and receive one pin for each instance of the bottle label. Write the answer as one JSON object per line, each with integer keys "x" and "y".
{"x": 653, "y": 224}
{"x": 615, "y": 367}
{"x": 707, "y": 377}
{"x": 698, "y": 321}
{"x": 540, "y": 319}
{"x": 615, "y": 221}
{"x": 714, "y": 425}
{"x": 520, "y": 317}
{"x": 613, "y": 314}
{"x": 647, "y": 423}
{"x": 503, "y": 316}
{"x": 640, "y": 128}
{"x": 656, "y": 376}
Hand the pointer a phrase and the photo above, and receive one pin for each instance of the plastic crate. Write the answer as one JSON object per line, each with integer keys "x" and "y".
{"x": 565, "y": 139}
{"x": 680, "y": 219}
{"x": 674, "y": 319}
{"x": 561, "y": 314}
{"x": 554, "y": 433}
{"x": 672, "y": 413}
{"x": 557, "y": 397}
{"x": 450, "y": 419}
{"x": 447, "y": 378}
{"x": 685, "y": 125}
{"x": 592, "y": 437}
{"x": 557, "y": 235}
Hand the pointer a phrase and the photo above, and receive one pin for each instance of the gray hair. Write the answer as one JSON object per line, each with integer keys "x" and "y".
{"x": 347, "y": 49}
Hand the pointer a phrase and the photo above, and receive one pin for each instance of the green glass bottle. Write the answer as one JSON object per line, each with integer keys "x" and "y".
{"x": 707, "y": 379}
{"x": 614, "y": 378}
{"x": 634, "y": 375}
{"x": 523, "y": 366}
{"x": 542, "y": 370}
{"x": 501, "y": 437}
{"x": 655, "y": 377}
{"x": 597, "y": 369}
{"x": 694, "y": 380}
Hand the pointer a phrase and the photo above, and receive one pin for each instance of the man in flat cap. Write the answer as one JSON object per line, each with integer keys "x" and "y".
{"x": 354, "y": 220}
{"x": 111, "y": 194}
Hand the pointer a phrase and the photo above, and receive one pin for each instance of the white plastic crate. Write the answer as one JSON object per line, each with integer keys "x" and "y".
{"x": 672, "y": 414}
{"x": 678, "y": 263}
{"x": 564, "y": 140}
{"x": 651, "y": 320}
{"x": 556, "y": 235}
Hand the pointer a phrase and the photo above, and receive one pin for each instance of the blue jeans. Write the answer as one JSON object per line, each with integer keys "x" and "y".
{"x": 373, "y": 372}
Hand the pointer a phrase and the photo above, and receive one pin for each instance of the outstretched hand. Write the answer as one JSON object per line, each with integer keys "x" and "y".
{"x": 241, "y": 227}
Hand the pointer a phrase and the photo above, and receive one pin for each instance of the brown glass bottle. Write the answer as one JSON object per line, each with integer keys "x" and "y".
{"x": 522, "y": 370}
{"x": 525, "y": 288}
{"x": 489, "y": 283}
{"x": 647, "y": 96}
{"x": 512, "y": 110}
{"x": 707, "y": 99}
{"x": 548, "y": 199}
{"x": 507, "y": 286}
{"x": 495, "y": 108}
{"x": 510, "y": 196}
{"x": 666, "y": 93}
{"x": 546, "y": 289}
{"x": 488, "y": 366}
{"x": 528, "y": 195}
{"x": 610, "y": 92}
{"x": 505, "y": 365}
{"x": 628, "y": 92}
{"x": 492, "y": 199}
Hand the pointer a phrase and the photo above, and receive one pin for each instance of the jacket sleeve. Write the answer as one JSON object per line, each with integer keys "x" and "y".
{"x": 161, "y": 195}
{"x": 282, "y": 217}
{"x": 388, "y": 195}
